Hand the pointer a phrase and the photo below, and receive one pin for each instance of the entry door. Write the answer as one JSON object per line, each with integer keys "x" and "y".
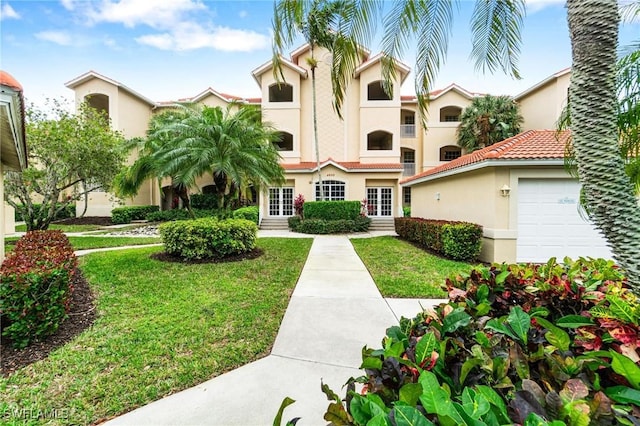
{"x": 281, "y": 201}
{"x": 380, "y": 201}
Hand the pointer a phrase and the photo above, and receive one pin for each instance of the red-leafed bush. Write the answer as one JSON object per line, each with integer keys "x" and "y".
{"x": 455, "y": 240}
{"x": 35, "y": 286}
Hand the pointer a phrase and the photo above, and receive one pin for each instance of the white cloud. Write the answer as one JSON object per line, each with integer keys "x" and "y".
{"x": 534, "y": 6}
{"x": 191, "y": 36}
{"x": 8, "y": 12}
{"x": 59, "y": 37}
{"x": 69, "y": 4}
{"x": 156, "y": 14}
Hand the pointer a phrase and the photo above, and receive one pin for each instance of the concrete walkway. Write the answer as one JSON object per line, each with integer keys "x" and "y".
{"x": 335, "y": 310}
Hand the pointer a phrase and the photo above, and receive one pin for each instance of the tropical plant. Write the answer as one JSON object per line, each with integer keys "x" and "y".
{"x": 341, "y": 27}
{"x": 550, "y": 344}
{"x": 487, "y": 120}
{"x": 191, "y": 141}
{"x": 70, "y": 155}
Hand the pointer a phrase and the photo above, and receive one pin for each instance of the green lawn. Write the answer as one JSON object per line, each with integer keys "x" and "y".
{"x": 162, "y": 327}
{"x": 90, "y": 242}
{"x": 64, "y": 228}
{"x": 403, "y": 270}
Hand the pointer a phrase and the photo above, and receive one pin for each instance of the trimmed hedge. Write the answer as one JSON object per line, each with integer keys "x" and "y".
{"x": 183, "y": 214}
{"x": 331, "y": 210}
{"x": 208, "y": 238}
{"x": 454, "y": 240}
{"x": 36, "y": 286}
{"x": 250, "y": 213}
{"x": 321, "y": 226}
{"x": 121, "y": 215}
{"x": 68, "y": 212}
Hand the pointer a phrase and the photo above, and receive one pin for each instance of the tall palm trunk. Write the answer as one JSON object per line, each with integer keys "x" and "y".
{"x": 314, "y": 106}
{"x": 593, "y": 25}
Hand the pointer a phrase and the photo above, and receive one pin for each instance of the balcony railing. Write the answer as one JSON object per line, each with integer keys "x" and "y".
{"x": 407, "y": 130}
{"x": 409, "y": 169}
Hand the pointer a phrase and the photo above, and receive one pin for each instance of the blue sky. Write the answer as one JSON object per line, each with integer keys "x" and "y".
{"x": 170, "y": 49}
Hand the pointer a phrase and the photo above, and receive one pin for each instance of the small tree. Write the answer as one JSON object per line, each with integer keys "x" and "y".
{"x": 489, "y": 119}
{"x": 70, "y": 155}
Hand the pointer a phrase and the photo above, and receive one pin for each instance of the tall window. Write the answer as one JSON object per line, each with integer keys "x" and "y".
{"x": 450, "y": 152}
{"x": 285, "y": 143}
{"x": 450, "y": 114}
{"x": 282, "y": 92}
{"x": 375, "y": 92}
{"x": 334, "y": 190}
{"x": 379, "y": 141}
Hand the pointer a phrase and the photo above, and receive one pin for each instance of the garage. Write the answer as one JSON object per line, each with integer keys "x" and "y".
{"x": 550, "y": 224}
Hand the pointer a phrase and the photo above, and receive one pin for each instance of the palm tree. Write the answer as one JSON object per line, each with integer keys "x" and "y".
{"x": 487, "y": 120}
{"x": 609, "y": 194}
{"x": 340, "y": 26}
{"x": 192, "y": 141}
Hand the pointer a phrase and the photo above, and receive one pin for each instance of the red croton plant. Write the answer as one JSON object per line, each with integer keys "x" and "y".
{"x": 553, "y": 344}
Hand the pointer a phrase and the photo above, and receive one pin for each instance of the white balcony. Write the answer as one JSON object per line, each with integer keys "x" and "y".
{"x": 407, "y": 130}
{"x": 409, "y": 169}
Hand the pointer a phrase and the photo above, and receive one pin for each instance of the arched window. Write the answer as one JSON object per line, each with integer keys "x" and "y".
{"x": 285, "y": 143}
{"x": 282, "y": 92}
{"x": 375, "y": 92}
{"x": 334, "y": 190}
{"x": 99, "y": 102}
{"x": 379, "y": 141}
{"x": 450, "y": 114}
{"x": 450, "y": 152}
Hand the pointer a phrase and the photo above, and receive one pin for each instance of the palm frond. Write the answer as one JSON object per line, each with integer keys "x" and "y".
{"x": 496, "y": 29}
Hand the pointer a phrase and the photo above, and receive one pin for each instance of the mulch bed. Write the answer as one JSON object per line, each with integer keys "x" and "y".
{"x": 81, "y": 317}
{"x": 165, "y": 257}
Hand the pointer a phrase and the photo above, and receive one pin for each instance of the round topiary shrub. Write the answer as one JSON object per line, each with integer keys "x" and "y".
{"x": 208, "y": 238}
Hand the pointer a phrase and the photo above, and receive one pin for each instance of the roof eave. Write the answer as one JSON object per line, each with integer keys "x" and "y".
{"x": 483, "y": 164}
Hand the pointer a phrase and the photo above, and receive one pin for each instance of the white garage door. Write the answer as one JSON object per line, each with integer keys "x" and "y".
{"x": 549, "y": 224}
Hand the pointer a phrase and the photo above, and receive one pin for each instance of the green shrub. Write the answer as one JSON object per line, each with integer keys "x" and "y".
{"x": 454, "y": 240}
{"x": 121, "y": 215}
{"x": 461, "y": 241}
{"x": 183, "y": 214}
{"x": 406, "y": 211}
{"x": 68, "y": 212}
{"x": 35, "y": 286}
{"x": 293, "y": 222}
{"x": 321, "y": 226}
{"x": 331, "y": 210}
{"x": 250, "y": 213}
{"x": 204, "y": 201}
{"x": 551, "y": 344}
{"x": 207, "y": 238}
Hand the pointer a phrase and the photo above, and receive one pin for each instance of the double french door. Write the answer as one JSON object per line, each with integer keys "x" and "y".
{"x": 281, "y": 201}
{"x": 380, "y": 201}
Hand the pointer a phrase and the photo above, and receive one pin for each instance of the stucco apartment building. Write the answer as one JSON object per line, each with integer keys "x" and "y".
{"x": 379, "y": 142}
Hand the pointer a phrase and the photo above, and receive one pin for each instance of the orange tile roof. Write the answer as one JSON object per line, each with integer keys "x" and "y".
{"x": 7, "y": 80}
{"x": 349, "y": 165}
{"x": 529, "y": 145}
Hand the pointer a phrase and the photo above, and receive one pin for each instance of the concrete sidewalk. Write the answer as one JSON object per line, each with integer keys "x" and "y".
{"x": 335, "y": 310}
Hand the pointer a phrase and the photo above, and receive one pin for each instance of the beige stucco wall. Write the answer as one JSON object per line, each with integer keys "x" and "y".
{"x": 541, "y": 108}
{"x": 472, "y": 197}
{"x": 2, "y": 214}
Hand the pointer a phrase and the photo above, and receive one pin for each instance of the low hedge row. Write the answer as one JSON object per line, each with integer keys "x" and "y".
{"x": 322, "y": 226}
{"x": 121, "y": 215}
{"x": 204, "y": 201}
{"x": 208, "y": 238}
{"x": 36, "y": 286}
{"x": 454, "y": 240}
{"x": 331, "y": 210}
{"x": 68, "y": 212}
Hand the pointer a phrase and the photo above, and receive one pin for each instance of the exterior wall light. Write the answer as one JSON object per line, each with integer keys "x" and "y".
{"x": 505, "y": 190}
